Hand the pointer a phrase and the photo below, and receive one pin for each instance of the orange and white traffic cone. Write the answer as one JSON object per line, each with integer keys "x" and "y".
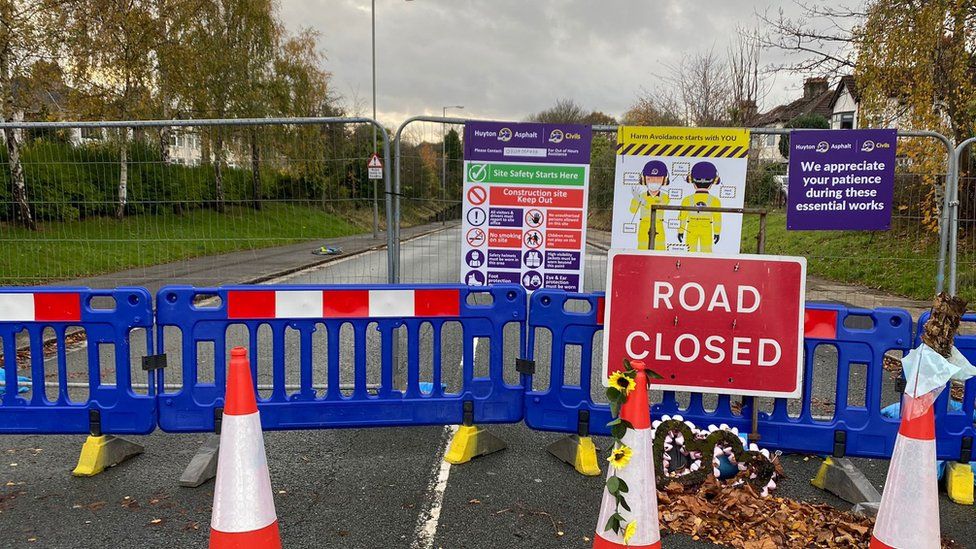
{"x": 243, "y": 508}
{"x": 908, "y": 517}
{"x": 638, "y": 474}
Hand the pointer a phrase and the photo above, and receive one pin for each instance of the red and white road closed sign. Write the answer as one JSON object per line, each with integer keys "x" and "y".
{"x": 709, "y": 324}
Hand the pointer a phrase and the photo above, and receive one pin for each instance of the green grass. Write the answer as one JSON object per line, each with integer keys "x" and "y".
{"x": 901, "y": 261}
{"x": 66, "y": 250}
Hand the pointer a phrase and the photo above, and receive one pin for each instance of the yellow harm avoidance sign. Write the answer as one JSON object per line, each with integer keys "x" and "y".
{"x": 690, "y": 142}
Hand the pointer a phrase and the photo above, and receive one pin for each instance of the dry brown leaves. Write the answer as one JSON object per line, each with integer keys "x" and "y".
{"x": 739, "y": 517}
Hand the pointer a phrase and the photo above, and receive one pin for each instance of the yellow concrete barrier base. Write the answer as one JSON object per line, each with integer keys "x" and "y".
{"x": 471, "y": 441}
{"x": 820, "y": 481}
{"x": 101, "y": 452}
{"x": 959, "y": 482}
{"x": 586, "y": 463}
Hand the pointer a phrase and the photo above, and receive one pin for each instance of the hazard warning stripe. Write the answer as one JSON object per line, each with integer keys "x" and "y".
{"x": 40, "y": 307}
{"x": 692, "y": 151}
{"x": 258, "y": 304}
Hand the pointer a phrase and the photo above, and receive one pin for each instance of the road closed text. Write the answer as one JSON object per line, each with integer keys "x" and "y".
{"x": 691, "y": 347}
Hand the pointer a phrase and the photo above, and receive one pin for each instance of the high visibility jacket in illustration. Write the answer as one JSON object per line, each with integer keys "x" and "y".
{"x": 644, "y": 228}
{"x": 699, "y": 228}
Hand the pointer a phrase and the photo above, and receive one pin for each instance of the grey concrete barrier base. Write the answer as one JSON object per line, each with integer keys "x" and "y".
{"x": 867, "y": 508}
{"x": 203, "y": 466}
{"x": 841, "y": 477}
{"x": 580, "y": 452}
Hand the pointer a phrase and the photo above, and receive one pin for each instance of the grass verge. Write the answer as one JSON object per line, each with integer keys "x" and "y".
{"x": 896, "y": 261}
{"x": 66, "y": 250}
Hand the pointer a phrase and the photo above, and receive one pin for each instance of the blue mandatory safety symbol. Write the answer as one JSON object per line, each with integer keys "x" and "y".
{"x": 532, "y": 259}
{"x": 474, "y": 278}
{"x": 532, "y": 280}
{"x": 475, "y": 259}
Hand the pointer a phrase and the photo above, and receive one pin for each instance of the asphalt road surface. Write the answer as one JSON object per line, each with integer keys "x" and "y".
{"x": 380, "y": 487}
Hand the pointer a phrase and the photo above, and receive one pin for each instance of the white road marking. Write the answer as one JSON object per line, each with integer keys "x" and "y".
{"x": 430, "y": 515}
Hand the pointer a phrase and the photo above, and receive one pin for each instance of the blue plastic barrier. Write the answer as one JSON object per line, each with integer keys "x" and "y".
{"x": 489, "y": 399}
{"x": 954, "y": 430}
{"x": 111, "y": 408}
{"x": 854, "y": 430}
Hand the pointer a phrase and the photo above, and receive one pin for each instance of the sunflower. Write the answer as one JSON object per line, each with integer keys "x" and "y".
{"x": 622, "y": 383}
{"x": 620, "y": 456}
{"x": 630, "y": 530}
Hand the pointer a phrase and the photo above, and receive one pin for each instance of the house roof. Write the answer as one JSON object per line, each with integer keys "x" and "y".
{"x": 35, "y": 99}
{"x": 819, "y": 104}
{"x": 848, "y": 83}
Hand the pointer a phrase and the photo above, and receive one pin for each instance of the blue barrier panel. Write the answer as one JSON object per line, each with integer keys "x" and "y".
{"x": 111, "y": 406}
{"x": 857, "y": 430}
{"x": 194, "y": 407}
{"x": 954, "y": 431}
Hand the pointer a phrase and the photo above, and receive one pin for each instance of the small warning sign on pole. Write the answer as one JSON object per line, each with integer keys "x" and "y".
{"x": 375, "y": 167}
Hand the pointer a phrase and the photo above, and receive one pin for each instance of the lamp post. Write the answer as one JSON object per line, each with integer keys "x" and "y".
{"x": 444, "y": 160}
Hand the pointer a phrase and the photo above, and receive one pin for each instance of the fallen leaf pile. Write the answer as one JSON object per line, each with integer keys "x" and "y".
{"x": 739, "y": 517}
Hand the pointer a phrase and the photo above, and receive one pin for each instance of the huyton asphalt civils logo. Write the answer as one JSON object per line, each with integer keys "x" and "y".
{"x": 867, "y": 146}
{"x": 505, "y": 134}
{"x": 556, "y": 136}
{"x": 823, "y": 147}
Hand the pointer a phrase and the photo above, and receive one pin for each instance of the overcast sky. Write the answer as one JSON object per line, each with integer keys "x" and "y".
{"x": 505, "y": 59}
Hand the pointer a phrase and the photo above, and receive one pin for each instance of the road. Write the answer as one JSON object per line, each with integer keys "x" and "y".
{"x": 380, "y": 487}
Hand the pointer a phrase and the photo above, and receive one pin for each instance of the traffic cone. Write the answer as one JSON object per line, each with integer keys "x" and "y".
{"x": 638, "y": 474}
{"x": 243, "y": 508}
{"x": 908, "y": 517}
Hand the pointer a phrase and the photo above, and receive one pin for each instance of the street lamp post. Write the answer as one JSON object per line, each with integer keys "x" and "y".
{"x": 444, "y": 161}
{"x": 376, "y": 207}
{"x": 376, "y": 214}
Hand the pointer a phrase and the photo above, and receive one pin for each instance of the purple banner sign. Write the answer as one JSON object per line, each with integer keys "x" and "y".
{"x": 841, "y": 180}
{"x": 527, "y": 142}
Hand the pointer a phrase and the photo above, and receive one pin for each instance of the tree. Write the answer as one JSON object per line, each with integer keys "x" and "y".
{"x": 700, "y": 82}
{"x": 172, "y": 53}
{"x": 234, "y": 43}
{"x": 565, "y": 111}
{"x": 818, "y": 41}
{"x": 654, "y": 110}
{"x": 455, "y": 156}
{"x": 916, "y": 68}
{"x": 746, "y": 84}
{"x": 111, "y": 45}
{"x": 809, "y": 121}
{"x": 27, "y": 35}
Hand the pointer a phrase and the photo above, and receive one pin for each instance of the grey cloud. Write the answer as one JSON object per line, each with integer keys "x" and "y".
{"x": 509, "y": 58}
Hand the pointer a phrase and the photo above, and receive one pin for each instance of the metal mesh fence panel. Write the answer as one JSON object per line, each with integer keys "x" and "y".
{"x": 203, "y": 202}
{"x": 431, "y": 171}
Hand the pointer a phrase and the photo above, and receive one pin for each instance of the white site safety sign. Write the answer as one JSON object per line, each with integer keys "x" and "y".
{"x": 375, "y": 167}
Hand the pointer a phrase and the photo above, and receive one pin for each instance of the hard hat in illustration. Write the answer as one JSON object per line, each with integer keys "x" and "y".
{"x": 703, "y": 175}
{"x": 655, "y": 168}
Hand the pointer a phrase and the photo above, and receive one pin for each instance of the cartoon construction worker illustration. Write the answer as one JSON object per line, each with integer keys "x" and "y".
{"x": 651, "y": 193}
{"x": 701, "y": 229}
